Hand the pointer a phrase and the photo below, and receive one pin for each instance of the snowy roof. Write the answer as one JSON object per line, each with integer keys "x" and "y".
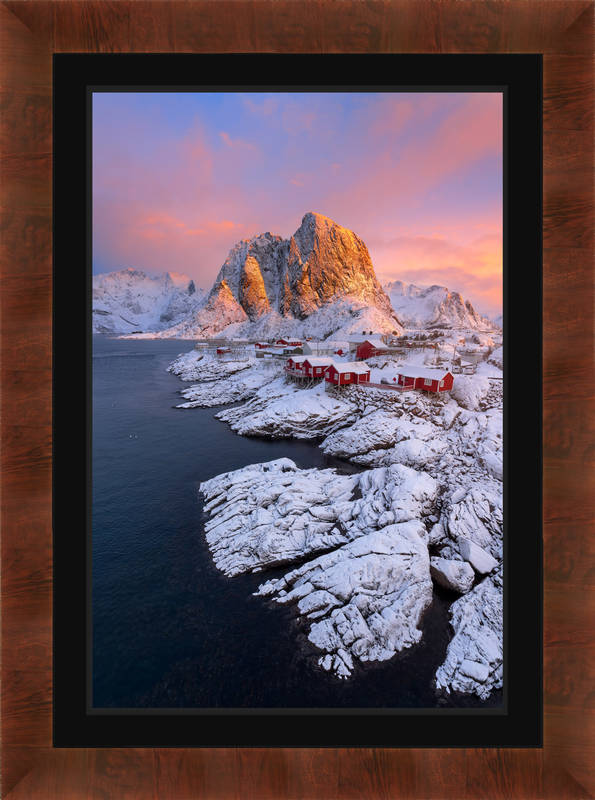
{"x": 363, "y": 337}
{"x": 297, "y": 359}
{"x": 351, "y": 366}
{"x": 318, "y": 361}
{"x": 376, "y": 341}
{"x": 328, "y": 345}
{"x": 413, "y": 371}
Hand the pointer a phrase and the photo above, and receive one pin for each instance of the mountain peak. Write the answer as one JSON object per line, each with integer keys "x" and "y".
{"x": 431, "y": 306}
{"x": 313, "y": 217}
{"x": 294, "y": 277}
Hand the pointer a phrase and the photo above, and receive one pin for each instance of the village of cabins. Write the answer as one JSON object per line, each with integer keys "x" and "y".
{"x": 311, "y": 362}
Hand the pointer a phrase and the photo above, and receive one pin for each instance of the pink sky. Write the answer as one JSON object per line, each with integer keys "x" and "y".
{"x": 179, "y": 178}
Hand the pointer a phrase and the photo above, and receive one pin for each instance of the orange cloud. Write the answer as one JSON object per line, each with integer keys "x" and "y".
{"x": 473, "y": 269}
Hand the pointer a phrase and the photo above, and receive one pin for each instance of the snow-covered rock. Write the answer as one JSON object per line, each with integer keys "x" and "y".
{"x": 274, "y": 513}
{"x": 457, "y": 576}
{"x": 473, "y": 661}
{"x": 222, "y": 381}
{"x": 476, "y": 518}
{"x": 365, "y": 600}
{"x": 280, "y": 410}
{"x": 470, "y": 390}
{"x": 131, "y": 300}
{"x": 196, "y": 366}
{"x": 377, "y": 431}
{"x": 394, "y": 494}
{"x": 432, "y": 306}
{"x": 481, "y": 561}
{"x": 376, "y": 579}
{"x": 497, "y": 357}
{"x": 220, "y": 310}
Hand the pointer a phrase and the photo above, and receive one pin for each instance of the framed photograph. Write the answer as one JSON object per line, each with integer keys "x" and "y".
{"x": 134, "y": 664}
{"x": 294, "y": 455}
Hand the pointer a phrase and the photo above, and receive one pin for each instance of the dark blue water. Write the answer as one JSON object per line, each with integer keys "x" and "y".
{"x": 169, "y": 630}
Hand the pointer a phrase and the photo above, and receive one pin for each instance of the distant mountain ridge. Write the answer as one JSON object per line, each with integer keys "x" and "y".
{"x": 432, "y": 306}
{"x": 319, "y": 282}
{"x": 130, "y": 300}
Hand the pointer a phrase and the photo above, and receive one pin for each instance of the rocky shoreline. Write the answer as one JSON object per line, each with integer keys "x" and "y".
{"x": 363, "y": 551}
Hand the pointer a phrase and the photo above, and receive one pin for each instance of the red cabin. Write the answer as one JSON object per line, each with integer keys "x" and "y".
{"x": 315, "y": 367}
{"x": 370, "y": 348}
{"x": 282, "y": 342}
{"x": 261, "y": 345}
{"x": 425, "y": 378}
{"x": 348, "y": 372}
{"x": 295, "y": 365}
{"x": 222, "y": 350}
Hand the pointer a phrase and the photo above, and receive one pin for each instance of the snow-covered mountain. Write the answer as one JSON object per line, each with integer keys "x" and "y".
{"x": 129, "y": 300}
{"x": 316, "y": 282}
{"x": 432, "y": 306}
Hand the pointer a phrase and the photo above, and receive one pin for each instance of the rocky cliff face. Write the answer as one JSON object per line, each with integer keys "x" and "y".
{"x": 432, "y": 306}
{"x": 220, "y": 310}
{"x": 320, "y": 263}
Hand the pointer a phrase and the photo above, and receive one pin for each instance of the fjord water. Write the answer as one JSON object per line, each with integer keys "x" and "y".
{"x": 171, "y": 631}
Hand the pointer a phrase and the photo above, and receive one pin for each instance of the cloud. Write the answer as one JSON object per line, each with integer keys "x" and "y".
{"x": 473, "y": 269}
{"x": 236, "y": 144}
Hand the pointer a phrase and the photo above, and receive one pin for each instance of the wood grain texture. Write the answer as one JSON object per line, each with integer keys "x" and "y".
{"x": 29, "y": 33}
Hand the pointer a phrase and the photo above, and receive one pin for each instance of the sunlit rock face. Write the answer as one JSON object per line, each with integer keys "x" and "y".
{"x": 329, "y": 261}
{"x": 321, "y": 262}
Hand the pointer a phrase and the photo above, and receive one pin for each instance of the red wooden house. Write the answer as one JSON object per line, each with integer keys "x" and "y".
{"x": 282, "y": 342}
{"x": 295, "y": 365}
{"x": 261, "y": 345}
{"x": 222, "y": 350}
{"x": 425, "y": 378}
{"x": 369, "y": 348}
{"x": 316, "y": 366}
{"x": 348, "y": 372}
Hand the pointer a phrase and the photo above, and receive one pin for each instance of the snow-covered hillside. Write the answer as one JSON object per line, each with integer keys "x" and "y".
{"x": 432, "y": 306}
{"x": 129, "y": 300}
{"x": 337, "y": 319}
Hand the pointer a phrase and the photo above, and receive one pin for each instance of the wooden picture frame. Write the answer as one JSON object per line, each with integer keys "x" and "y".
{"x": 31, "y": 32}
{"x": 510, "y": 718}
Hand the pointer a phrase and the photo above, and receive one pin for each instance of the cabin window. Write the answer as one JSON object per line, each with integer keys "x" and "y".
{"x": 441, "y": 383}
{"x": 347, "y": 376}
{"x": 428, "y": 382}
